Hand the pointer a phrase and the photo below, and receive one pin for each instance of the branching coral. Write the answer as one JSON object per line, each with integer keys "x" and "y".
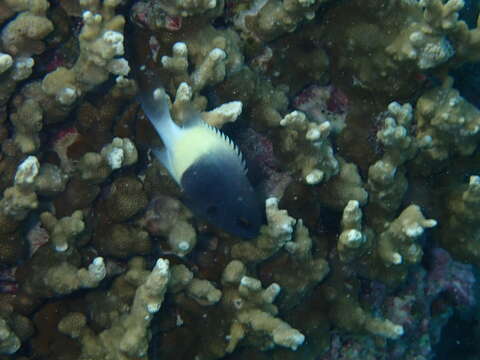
{"x": 386, "y": 178}
{"x": 397, "y": 244}
{"x": 96, "y": 167}
{"x": 101, "y": 45}
{"x": 272, "y": 237}
{"x": 84, "y": 210}
{"x": 23, "y": 35}
{"x": 268, "y": 19}
{"x": 311, "y": 149}
{"x": 450, "y": 121}
{"x": 64, "y": 231}
{"x": 129, "y": 335}
{"x": 202, "y": 291}
{"x": 254, "y": 312}
{"x": 352, "y": 240}
{"x": 460, "y": 234}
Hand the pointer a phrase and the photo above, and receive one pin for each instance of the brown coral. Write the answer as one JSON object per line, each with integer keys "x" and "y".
{"x": 125, "y": 199}
{"x": 122, "y": 241}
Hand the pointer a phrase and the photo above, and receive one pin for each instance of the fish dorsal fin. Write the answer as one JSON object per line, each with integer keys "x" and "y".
{"x": 230, "y": 144}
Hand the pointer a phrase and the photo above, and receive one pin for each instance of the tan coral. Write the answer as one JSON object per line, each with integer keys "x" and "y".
{"x": 351, "y": 242}
{"x": 201, "y": 290}
{"x": 101, "y": 48}
{"x": 97, "y": 167}
{"x": 307, "y": 142}
{"x": 449, "y": 120}
{"x": 387, "y": 182}
{"x": 21, "y": 198}
{"x": 397, "y": 243}
{"x": 129, "y": 334}
{"x": 63, "y": 232}
{"x": 253, "y": 311}
{"x": 273, "y": 236}
{"x": 460, "y": 235}
{"x": 268, "y": 19}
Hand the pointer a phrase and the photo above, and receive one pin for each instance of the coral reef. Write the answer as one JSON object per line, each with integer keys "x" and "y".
{"x": 359, "y": 136}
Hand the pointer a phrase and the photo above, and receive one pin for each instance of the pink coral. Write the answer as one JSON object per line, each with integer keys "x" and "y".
{"x": 173, "y": 23}
{"x": 61, "y": 142}
{"x": 37, "y": 237}
{"x": 8, "y": 283}
{"x": 320, "y": 102}
{"x": 452, "y": 277}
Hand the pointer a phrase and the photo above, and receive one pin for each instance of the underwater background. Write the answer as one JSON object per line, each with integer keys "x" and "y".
{"x": 358, "y": 122}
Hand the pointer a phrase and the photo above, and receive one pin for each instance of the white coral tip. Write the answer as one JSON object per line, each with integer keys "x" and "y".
{"x": 179, "y": 49}
{"x": 397, "y": 258}
{"x": 162, "y": 266}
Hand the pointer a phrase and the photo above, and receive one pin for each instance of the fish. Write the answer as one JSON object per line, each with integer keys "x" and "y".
{"x": 208, "y": 167}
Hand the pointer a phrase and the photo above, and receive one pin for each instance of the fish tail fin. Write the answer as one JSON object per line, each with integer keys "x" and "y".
{"x": 155, "y": 106}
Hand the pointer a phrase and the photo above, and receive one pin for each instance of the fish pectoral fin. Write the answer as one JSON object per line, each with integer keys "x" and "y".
{"x": 164, "y": 157}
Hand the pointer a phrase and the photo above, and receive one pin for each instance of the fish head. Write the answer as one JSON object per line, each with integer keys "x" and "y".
{"x": 217, "y": 189}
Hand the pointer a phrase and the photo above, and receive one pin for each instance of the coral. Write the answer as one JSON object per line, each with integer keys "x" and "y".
{"x": 450, "y": 121}
{"x": 307, "y": 142}
{"x": 129, "y": 335}
{"x": 302, "y": 271}
{"x": 27, "y": 121}
{"x": 122, "y": 241}
{"x": 96, "y": 167}
{"x": 101, "y": 45}
{"x": 273, "y": 236}
{"x": 347, "y": 185}
{"x": 397, "y": 244}
{"x": 187, "y": 8}
{"x": 387, "y": 182}
{"x": 351, "y": 242}
{"x": 217, "y": 117}
{"x": 53, "y": 273}
{"x": 50, "y": 181}
{"x": 65, "y": 278}
{"x": 6, "y": 62}
{"x": 23, "y": 36}
{"x": 168, "y": 14}
{"x": 254, "y": 312}
{"x": 13, "y": 248}
{"x": 323, "y": 103}
{"x": 352, "y": 129}
{"x": 202, "y": 291}
{"x": 9, "y": 342}
{"x": 64, "y": 231}
{"x": 182, "y": 238}
{"x": 167, "y": 217}
{"x": 460, "y": 233}
{"x": 14, "y": 328}
{"x": 268, "y": 19}
{"x": 19, "y": 199}
{"x": 124, "y": 199}
{"x": 210, "y": 72}
{"x": 423, "y": 37}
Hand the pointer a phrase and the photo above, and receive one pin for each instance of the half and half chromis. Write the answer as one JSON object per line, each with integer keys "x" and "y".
{"x": 208, "y": 167}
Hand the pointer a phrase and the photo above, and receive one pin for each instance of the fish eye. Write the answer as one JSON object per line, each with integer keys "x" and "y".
{"x": 212, "y": 210}
{"x": 244, "y": 223}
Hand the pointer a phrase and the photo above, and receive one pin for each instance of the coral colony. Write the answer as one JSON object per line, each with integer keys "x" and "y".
{"x": 360, "y": 140}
